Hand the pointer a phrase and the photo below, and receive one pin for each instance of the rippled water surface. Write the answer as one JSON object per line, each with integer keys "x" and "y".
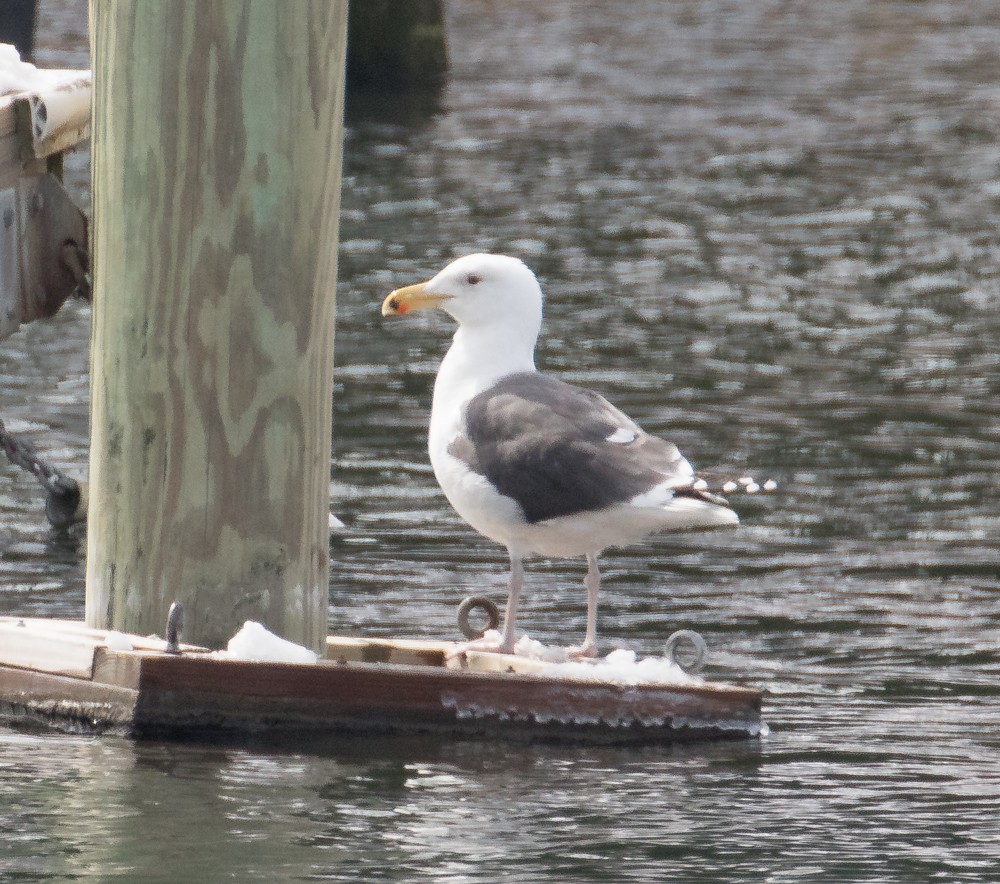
{"x": 767, "y": 230}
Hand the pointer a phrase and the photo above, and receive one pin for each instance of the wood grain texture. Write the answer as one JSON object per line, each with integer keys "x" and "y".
{"x": 52, "y": 651}
{"x": 62, "y": 673}
{"x": 197, "y": 694}
{"x": 216, "y": 179}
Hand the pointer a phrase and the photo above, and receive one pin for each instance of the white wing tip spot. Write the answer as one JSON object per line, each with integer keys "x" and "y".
{"x": 622, "y": 436}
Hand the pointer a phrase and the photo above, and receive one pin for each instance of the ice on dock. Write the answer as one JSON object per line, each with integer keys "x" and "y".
{"x": 255, "y": 643}
{"x": 621, "y": 666}
{"x": 118, "y": 641}
{"x": 624, "y": 667}
{"x": 18, "y": 76}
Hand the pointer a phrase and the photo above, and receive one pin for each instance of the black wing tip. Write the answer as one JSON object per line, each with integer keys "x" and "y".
{"x": 702, "y": 495}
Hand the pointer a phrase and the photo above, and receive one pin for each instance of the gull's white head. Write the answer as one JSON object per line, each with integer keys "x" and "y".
{"x": 477, "y": 291}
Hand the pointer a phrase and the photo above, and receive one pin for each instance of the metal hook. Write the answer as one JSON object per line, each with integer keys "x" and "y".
{"x": 175, "y": 624}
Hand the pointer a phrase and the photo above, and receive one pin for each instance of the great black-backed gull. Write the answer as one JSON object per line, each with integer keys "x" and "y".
{"x": 529, "y": 461}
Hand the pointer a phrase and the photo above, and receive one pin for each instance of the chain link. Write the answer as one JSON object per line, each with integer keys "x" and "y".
{"x": 62, "y": 494}
{"x": 76, "y": 260}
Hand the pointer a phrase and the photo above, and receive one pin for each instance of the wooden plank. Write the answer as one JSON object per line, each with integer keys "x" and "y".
{"x": 10, "y": 264}
{"x": 78, "y": 629}
{"x": 151, "y": 693}
{"x": 483, "y": 661}
{"x": 203, "y": 694}
{"x": 57, "y": 653}
{"x": 56, "y": 118}
{"x": 367, "y": 650}
{"x": 65, "y": 703}
{"x": 119, "y": 669}
{"x": 38, "y": 124}
{"x": 10, "y": 147}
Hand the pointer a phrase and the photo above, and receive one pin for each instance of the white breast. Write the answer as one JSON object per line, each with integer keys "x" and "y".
{"x": 473, "y": 497}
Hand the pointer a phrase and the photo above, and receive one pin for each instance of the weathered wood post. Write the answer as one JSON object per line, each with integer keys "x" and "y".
{"x": 17, "y": 25}
{"x": 216, "y": 189}
{"x": 396, "y": 45}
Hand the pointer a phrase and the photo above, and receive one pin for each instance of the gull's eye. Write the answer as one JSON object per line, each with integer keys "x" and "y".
{"x": 473, "y": 279}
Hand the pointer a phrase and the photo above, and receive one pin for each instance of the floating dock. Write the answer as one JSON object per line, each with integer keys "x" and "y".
{"x": 66, "y": 675}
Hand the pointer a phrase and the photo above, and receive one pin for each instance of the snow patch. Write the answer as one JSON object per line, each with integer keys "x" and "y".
{"x": 623, "y": 667}
{"x": 18, "y": 76}
{"x": 117, "y": 641}
{"x": 254, "y": 643}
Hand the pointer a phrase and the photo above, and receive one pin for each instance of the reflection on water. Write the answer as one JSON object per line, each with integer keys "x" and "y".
{"x": 412, "y": 810}
{"x": 767, "y": 231}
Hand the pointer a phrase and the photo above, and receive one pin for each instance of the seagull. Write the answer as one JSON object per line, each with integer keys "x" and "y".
{"x": 531, "y": 462}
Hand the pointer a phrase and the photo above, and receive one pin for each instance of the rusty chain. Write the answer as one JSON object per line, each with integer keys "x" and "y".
{"x": 62, "y": 494}
{"x": 76, "y": 260}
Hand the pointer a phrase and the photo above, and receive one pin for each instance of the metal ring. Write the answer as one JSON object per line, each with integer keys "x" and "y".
{"x": 483, "y": 604}
{"x": 694, "y": 642}
{"x": 62, "y": 501}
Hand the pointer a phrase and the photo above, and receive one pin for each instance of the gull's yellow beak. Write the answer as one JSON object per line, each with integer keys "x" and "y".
{"x": 411, "y": 297}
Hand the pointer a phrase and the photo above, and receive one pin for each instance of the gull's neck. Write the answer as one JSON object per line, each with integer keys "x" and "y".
{"x": 479, "y": 356}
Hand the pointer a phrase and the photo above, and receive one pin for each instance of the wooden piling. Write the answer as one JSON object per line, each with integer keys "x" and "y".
{"x": 17, "y": 25}
{"x": 396, "y": 45}
{"x": 216, "y": 186}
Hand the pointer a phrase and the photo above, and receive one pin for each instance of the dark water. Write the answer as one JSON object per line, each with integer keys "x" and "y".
{"x": 769, "y": 230}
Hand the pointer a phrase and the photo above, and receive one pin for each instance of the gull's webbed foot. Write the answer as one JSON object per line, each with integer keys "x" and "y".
{"x": 586, "y": 651}
{"x": 491, "y": 642}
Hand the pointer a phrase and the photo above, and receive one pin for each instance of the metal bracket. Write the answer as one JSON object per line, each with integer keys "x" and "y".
{"x": 43, "y": 251}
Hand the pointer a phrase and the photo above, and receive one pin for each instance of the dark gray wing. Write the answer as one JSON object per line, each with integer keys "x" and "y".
{"x": 558, "y": 449}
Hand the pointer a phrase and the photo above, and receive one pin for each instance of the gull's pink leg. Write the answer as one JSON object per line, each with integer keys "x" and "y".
{"x": 506, "y": 643}
{"x": 593, "y": 584}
